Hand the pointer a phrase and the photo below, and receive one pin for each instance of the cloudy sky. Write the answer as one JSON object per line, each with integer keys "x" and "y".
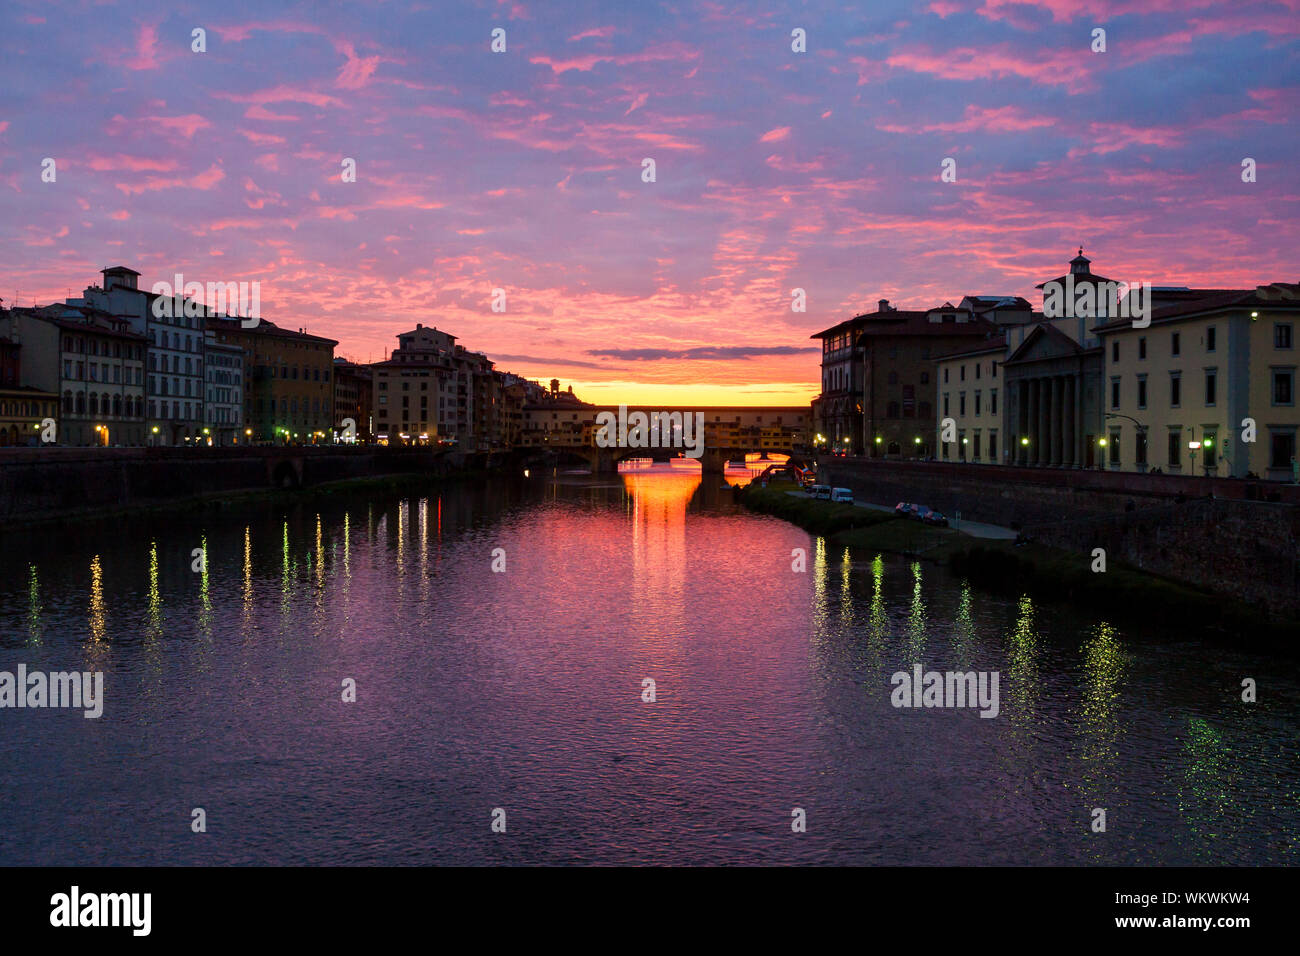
{"x": 522, "y": 170}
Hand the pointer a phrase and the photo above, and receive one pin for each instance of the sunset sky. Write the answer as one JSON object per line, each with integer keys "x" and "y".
{"x": 523, "y": 170}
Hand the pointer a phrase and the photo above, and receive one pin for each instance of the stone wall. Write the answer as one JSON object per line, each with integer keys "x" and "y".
{"x": 1237, "y": 542}
{"x": 38, "y": 483}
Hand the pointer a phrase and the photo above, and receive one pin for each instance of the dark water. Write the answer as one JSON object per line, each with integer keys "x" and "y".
{"x": 522, "y": 690}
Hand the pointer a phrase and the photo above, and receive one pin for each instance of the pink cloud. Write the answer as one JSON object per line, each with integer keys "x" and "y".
{"x": 261, "y": 139}
{"x": 773, "y": 135}
{"x": 146, "y": 49}
{"x": 594, "y": 32}
{"x": 204, "y": 181}
{"x": 1004, "y": 119}
{"x": 133, "y": 164}
{"x": 356, "y": 72}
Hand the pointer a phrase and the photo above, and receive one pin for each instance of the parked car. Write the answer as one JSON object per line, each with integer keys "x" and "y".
{"x": 935, "y": 518}
{"x": 843, "y": 495}
{"x": 820, "y": 491}
{"x": 900, "y": 509}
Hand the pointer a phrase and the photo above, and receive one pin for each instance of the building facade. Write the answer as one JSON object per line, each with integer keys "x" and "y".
{"x": 98, "y": 372}
{"x": 353, "y": 398}
{"x": 288, "y": 390}
{"x": 24, "y": 409}
{"x": 176, "y": 382}
{"x": 877, "y": 377}
{"x": 970, "y": 394}
{"x": 224, "y": 400}
{"x": 1182, "y": 394}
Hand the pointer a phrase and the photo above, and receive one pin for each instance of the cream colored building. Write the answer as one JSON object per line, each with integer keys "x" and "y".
{"x": 969, "y": 391}
{"x": 1180, "y": 395}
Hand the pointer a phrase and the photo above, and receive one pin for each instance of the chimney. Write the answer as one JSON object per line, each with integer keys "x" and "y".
{"x": 882, "y": 305}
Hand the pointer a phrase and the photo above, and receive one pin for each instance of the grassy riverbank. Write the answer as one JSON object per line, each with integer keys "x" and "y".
{"x": 1121, "y": 592}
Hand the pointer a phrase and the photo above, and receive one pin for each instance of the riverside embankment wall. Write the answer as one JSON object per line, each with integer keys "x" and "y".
{"x": 1237, "y": 543}
{"x": 41, "y": 483}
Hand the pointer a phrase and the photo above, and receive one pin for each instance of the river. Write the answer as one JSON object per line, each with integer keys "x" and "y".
{"x": 519, "y": 695}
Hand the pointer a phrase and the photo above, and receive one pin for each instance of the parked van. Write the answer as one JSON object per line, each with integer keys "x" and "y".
{"x": 842, "y": 494}
{"x": 820, "y": 491}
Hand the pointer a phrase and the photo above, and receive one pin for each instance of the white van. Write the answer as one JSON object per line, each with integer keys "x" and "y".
{"x": 842, "y": 494}
{"x": 820, "y": 491}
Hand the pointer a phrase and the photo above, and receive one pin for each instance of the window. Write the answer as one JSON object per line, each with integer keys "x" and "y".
{"x": 1142, "y": 347}
{"x": 1113, "y": 445}
{"x": 961, "y": 445}
{"x": 1283, "y": 386}
{"x": 1282, "y": 448}
{"x": 1175, "y": 448}
{"x": 1211, "y": 386}
{"x": 945, "y": 376}
{"x": 977, "y": 378}
{"x": 977, "y": 408}
{"x": 993, "y": 405}
{"x": 1175, "y": 389}
{"x": 961, "y": 404}
{"x": 975, "y": 447}
{"x": 1282, "y": 335}
{"x": 1210, "y": 339}
{"x": 1209, "y": 449}
{"x": 1114, "y": 350}
{"x": 1140, "y": 448}
{"x": 993, "y": 446}
{"x": 1175, "y": 345}
{"x": 993, "y": 372}
{"x": 1114, "y": 393}
{"x": 946, "y": 412}
{"x": 925, "y": 378}
{"x": 1142, "y": 391}
{"x": 963, "y": 373}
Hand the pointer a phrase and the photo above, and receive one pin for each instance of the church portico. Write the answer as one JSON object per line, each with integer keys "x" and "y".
{"x": 1053, "y": 385}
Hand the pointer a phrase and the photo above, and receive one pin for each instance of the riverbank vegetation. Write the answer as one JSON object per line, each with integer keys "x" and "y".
{"x": 1002, "y": 566}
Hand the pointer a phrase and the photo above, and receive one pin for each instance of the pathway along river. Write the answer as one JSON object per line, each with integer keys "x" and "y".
{"x": 523, "y": 690}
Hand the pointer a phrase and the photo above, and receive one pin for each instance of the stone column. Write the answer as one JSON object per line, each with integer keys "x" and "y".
{"x": 1021, "y": 424}
{"x": 1058, "y": 419}
{"x": 1080, "y": 454}
{"x": 1035, "y": 393}
{"x": 1069, "y": 461}
{"x": 1044, "y": 412}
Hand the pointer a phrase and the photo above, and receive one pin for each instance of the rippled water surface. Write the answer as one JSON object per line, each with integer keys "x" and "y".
{"x": 523, "y": 690}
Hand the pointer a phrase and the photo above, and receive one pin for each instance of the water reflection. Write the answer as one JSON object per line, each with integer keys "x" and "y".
{"x": 524, "y": 688}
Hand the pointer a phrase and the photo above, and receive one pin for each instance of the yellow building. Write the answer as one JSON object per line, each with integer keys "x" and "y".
{"x": 1208, "y": 388}
{"x": 288, "y": 386}
{"x": 969, "y": 386}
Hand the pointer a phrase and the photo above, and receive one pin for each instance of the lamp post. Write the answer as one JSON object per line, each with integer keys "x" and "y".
{"x": 1142, "y": 429}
